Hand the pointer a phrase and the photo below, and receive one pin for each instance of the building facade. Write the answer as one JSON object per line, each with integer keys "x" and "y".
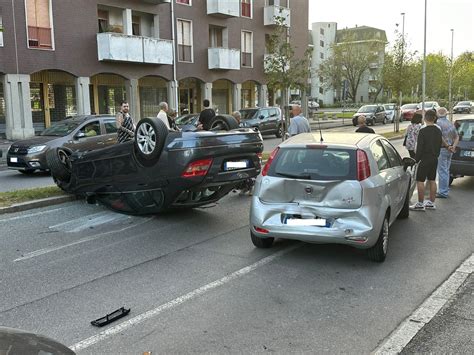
{"x": 59, "y": 58}
{"x": 325, "y": 35}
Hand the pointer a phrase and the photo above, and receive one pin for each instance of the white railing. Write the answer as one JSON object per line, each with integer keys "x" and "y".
{"x": 273, "y": 12}
{"x": 225, "y": 8}
{"x": 223, "y": 58}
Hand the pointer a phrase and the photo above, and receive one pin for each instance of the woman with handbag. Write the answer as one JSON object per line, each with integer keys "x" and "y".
{"x": 411, "y": 135}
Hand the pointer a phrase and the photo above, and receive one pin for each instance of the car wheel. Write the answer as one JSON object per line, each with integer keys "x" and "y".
{"x": 279, "y": 131}
{"x": 150, "y": 137}
{"x": 379, "y": 251}
{"x": 59, "y": 163}
{"x": 451, "y": 179}
{"x": 261, "y": 242}
{"x": 27, "y": 171}
{"x": 405, "y": 211}
{"x": 223, "y": 123}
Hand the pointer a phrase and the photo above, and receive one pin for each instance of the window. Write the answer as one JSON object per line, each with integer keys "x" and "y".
{"x": 321, "y": 79}
{"x": 392, "y": 154}
{"x": 321, "y": 31}
{"x": 216, "y": 37}
{"x": 110, "y": 126}
{"x": 136, "y": 25}
{"x": 321, "y": 90}
{"x": 246, "y": 8}
{"x": 184, "y": 2}
{"x": 185, "y": 43}
{"x": 321, "y": 55}
{"x": 247, "y": 46}
{"x": 103, "y": 18}
{"x": 39, "y": 22}
{"x": 91, "y": 129}
{"x": 379, "y": 156}
{"x": 321, "y": 43}
{"x": 1, "y": 31}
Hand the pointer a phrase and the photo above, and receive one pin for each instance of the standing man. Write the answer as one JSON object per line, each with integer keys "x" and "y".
{"x": 206, "y": 115}
{"x": 363, "y": 128}
{"x": 162, "y": 115}
{"x": 125, "y": 125}
{"x": 428, "y": 147}
{"x": 299, "y": 123}
{"x": 451, "y": 138}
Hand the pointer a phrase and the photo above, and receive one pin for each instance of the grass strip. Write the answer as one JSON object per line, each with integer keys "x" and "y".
{"x": 18, "y": 196}
{"x": 390, "y": 135}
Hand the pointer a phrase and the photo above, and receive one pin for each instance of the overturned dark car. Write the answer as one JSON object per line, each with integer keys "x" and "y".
{"x": 159, "y": 169}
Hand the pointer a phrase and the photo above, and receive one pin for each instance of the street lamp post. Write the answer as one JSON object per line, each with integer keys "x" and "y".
{"x": 423, "y": 75}
{"x": 451, "y": 79}
{"x": 397, "y": 119}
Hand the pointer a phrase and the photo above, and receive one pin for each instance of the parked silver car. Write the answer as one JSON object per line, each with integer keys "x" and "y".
{"x": 347, "y": 190}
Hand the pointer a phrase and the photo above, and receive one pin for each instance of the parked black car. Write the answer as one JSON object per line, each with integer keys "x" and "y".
{"x": 372, "y": 113}
{"x": 463, "y": 107}
{"x": 268, "y": 120}
{"x": 462, "y": 161}
{"x": 77, "y": 133}
{"x": 162, "y": 169}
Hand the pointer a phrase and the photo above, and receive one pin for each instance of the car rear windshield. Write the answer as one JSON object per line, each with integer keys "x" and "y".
{"x": 466, "y": 130}
{"x": 248, "y": 114}
{"x": 367, "y": 109}
{"x": 315, "y": 164}
{"x": 410, "y": 107}
{"x": 60, "y": 129}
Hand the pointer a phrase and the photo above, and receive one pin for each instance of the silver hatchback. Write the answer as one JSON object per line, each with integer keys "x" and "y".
{"x": 347, "y": 189}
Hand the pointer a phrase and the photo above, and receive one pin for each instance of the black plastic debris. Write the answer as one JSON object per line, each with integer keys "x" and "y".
{"x": 109, "y": 318}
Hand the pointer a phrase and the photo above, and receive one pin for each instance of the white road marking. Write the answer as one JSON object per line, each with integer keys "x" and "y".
{"x": 30, "y": 215}
{"x": 80, "y": 241}
{"x": 86, "y": 222}
{"x": 407, "y": 330}
{"x": 177, "y": 301}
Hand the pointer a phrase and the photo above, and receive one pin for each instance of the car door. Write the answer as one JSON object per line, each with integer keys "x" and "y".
{"x": 273, "y": 120}
{"x": 109, "y": 126}
{"x": 263, "y": 119}
{"x": 380, "y": 114}
{"x": 88, "y": 136}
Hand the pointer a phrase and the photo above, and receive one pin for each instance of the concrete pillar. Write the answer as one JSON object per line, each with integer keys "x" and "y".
{"x": 262, "y": 95}
{"x": 156, "y": 26}
{"x": 127, "y": 22}
{"x": 83, "y": 101}
{"x": 207, "y": 92}
{"x": 18, "y": 118}
{"x": 173, "y": 95}
{"x": 236, "y": 97}
{"x": 133, "y": 98}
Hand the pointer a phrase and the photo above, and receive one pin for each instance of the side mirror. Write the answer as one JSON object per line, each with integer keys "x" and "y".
{"x": 408, "y": 162}
{"x": 80, "y": 135}
{"x": 261, "y": 117}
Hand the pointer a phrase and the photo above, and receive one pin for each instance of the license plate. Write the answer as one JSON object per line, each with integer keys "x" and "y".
{"x": 234, "y": 165}
{"x": 468, "y": 153}
{"x": 319, "y": 222}
{"x": 13, "y": 160}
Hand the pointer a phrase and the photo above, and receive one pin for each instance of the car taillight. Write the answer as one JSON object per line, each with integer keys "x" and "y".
{"x": 269, "y": 161}
{"x": 363, "y": 168}
{"x": 197, "y": 168}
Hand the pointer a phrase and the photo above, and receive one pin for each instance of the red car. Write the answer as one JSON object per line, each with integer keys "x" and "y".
{"x": 408, "y": 111}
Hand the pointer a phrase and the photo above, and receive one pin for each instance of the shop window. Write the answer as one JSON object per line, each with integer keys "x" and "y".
{"x": 39, "y": 23}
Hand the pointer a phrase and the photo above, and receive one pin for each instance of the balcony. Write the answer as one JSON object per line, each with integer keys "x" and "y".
{"x": 272, "y": 13}
{"x": 226, "y": 8}
{"x": 223, "y": 58}
{"x": 134, "y": 49}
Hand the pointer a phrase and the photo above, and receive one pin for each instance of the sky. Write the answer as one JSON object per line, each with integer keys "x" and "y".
{"x": 442, "y": 16}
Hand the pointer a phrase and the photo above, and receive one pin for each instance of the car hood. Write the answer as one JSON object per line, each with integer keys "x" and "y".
{"x": 38, "y": 140}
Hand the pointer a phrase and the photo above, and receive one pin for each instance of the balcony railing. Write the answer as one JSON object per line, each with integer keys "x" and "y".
{"x": 272, "y": 13}
{"x": 39, "y": 37}
{"x": 136, "y": 49}
{"x": 223, "y": 8}
{"x": 223, "y": 58}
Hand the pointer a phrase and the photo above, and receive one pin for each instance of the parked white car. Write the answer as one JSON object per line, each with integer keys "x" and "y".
{"x": 389, "y": 112}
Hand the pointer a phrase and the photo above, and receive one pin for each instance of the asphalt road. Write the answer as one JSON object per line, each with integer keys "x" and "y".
{"x": 195, "y": 283}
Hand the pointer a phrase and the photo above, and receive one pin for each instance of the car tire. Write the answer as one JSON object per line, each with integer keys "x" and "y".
{"x": 223, "y": 123}
{"x": 59, "y": 163}
{"x": 378, "y": 252}
{"x": 150, "y": 138}
{"x": 405, "y": 211}
{"x": 264, "y": 243}
{"x": 385, "y": 120}
{"x": 27, "y": 171}
{"x": 279, "y": 132}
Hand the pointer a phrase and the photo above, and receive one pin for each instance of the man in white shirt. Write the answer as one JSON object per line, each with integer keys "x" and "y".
{"x": 162, "y": 114}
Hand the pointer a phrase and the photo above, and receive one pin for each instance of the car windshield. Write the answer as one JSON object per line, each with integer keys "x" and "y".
{"x": 464, "y": 103}
{"x": 60, "y": 129}
{"x": 466, "y": 130}
{"x": 367, "y": 108}
{"x": 315, "y": 164}
{"x": 248, "y": 114}
{"x": 185, "y": 119}
{"x": 410, "y": 107}
{"x": 389, "y": 107}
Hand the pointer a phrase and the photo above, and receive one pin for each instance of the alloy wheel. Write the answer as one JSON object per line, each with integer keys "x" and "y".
{"x": 146, "y": 138}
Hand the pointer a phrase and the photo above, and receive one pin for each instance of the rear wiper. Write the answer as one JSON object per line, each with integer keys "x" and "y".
{"x": 296, "y": 176}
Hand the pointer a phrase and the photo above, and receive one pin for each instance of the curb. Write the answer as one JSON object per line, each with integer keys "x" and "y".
{"x": 24, "y": 206}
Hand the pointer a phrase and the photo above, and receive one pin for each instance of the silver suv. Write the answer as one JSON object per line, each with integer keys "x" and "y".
{"x": 347, "y": 190}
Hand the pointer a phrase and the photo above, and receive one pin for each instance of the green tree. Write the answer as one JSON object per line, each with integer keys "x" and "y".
{"x": 283, "y": 69}
{"x": 463, "y": 77}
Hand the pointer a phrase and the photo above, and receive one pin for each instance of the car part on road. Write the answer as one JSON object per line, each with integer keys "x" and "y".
{"x": 109, "y": 318}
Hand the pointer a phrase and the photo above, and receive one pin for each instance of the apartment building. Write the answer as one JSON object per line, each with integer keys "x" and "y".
{"x": 325, "y": 35}
{"x": 65, "y": 57}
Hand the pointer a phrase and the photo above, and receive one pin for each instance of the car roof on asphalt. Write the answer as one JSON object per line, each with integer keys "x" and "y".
{"x": 332, "y": 138}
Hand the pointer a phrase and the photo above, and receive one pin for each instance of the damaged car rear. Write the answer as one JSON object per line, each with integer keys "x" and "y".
{"x": 160, "y": 169}
{"x": 346, "y": 190}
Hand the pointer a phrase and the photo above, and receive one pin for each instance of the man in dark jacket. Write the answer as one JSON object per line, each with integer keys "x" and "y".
{"x": 361, "y": 121}
{"x": 206, "y": 115}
